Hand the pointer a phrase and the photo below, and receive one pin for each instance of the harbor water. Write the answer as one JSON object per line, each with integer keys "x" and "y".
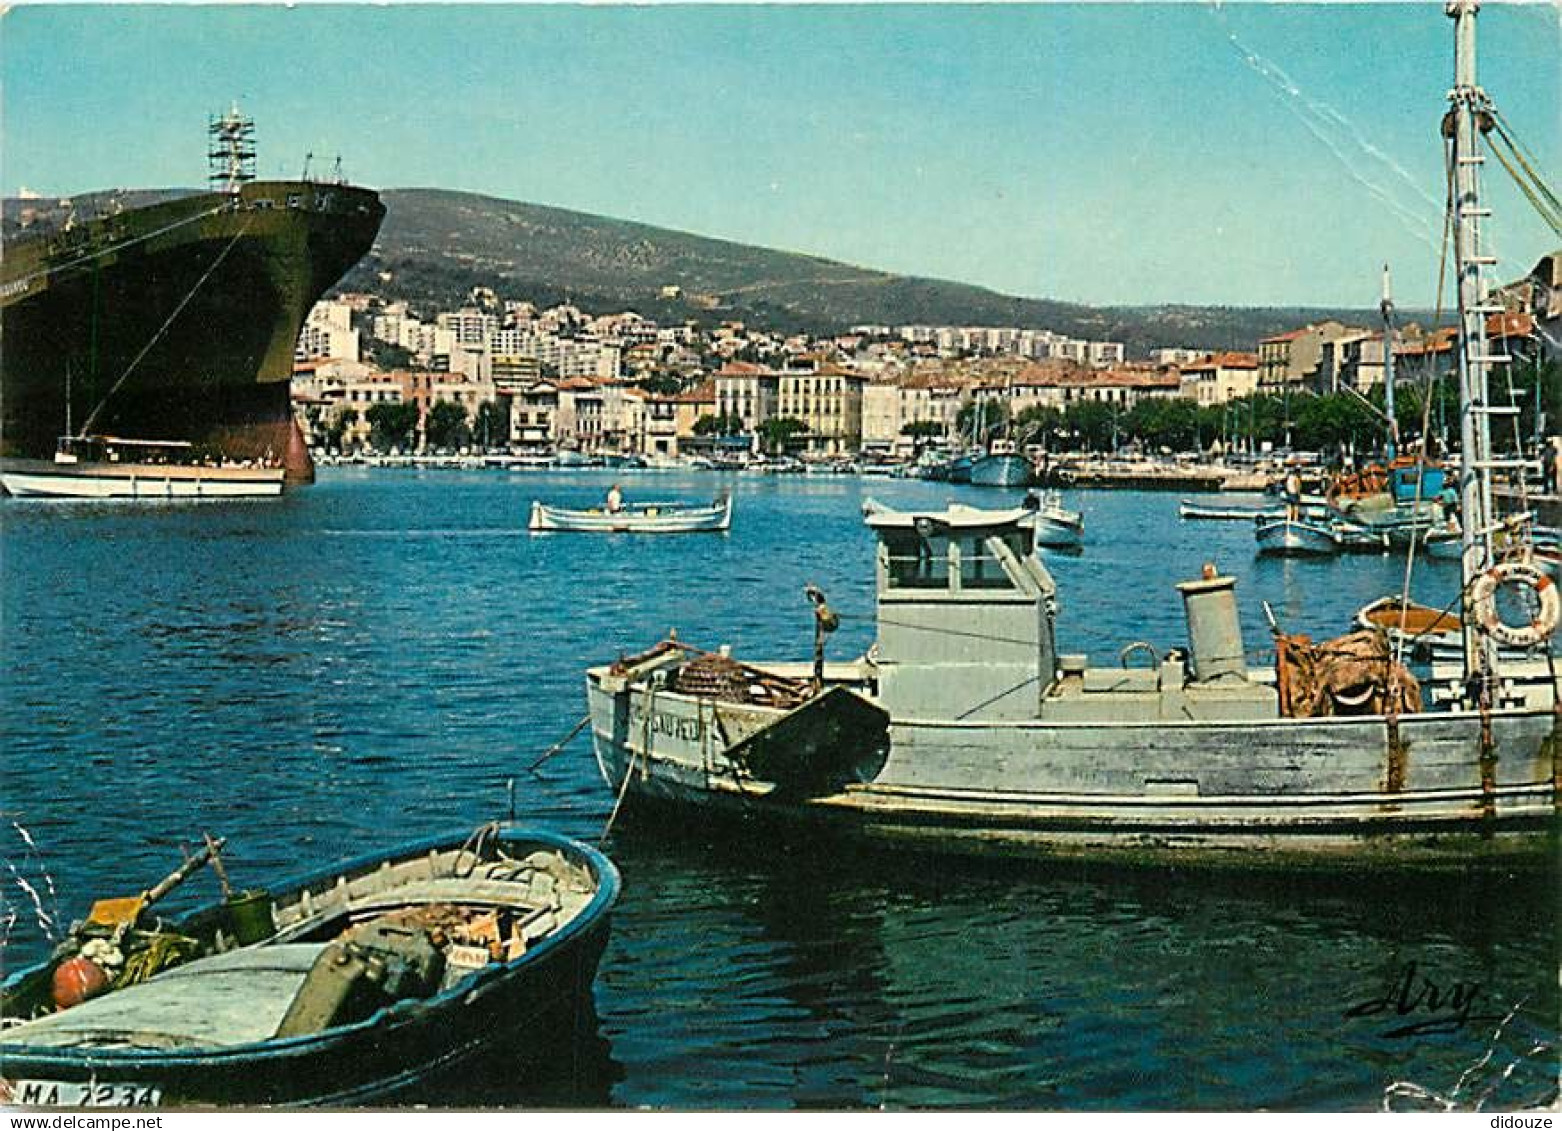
{"x": 378, "y": 657}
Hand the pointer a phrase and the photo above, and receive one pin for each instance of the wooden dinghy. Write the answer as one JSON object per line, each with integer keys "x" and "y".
{"x": 368, "y": 979}
{"x": 653, "y": 518}
{"x": 1191, "y": 511}
{"x": 1424, "y": 633}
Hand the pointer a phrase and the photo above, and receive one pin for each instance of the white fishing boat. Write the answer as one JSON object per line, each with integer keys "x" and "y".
{"x": 1297, "y": 537}
{"x": 1445, "y": 541}
{"x": 114, "y": 467}
{"x": 1056, "y": 527}
{"x": 639, "y": 518}
{"x": 1001, "y": 465}
{"x": 964, "y": 729}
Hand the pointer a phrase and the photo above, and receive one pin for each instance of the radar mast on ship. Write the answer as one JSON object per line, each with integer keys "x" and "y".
{"x": 231, "y": 158}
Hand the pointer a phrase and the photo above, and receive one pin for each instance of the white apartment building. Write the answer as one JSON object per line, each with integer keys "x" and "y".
{"x": 468, "y": 394}
{"x": 1220, "y": 377}
{"x": 474, "y": 363}
{"x": 1176, "y": 355}
{"x": 888, "y": 406}
{"x": 468, "y": 326}
{"x": 748, "y": 392}
{"x": 534, "y": 409}
{"x": 579, "y": 420}
{"x": 327, "y": 332}
{"x": 1104, "y": 355}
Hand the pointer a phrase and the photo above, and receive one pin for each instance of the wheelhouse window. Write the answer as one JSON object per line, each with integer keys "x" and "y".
{"x": 915, "y": 562}
{"x": 980, "y": 566}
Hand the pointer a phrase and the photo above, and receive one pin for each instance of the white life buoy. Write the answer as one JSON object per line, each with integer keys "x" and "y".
{"x": 1483, "y": 602}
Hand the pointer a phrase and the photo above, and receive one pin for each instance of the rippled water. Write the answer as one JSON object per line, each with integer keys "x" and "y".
{"x": 373, "y": 659}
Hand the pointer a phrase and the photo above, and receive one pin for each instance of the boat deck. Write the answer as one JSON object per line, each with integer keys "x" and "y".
{"x": 227, "y": 999}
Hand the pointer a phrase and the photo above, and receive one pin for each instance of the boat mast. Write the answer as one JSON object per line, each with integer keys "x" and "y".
{"x": 1468, "y": 118}
{"x": 1387, "y": 308}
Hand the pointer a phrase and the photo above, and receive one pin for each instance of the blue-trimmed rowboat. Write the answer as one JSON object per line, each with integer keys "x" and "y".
{"x": 374, "y": 977}
{"x": 644, "y": 518}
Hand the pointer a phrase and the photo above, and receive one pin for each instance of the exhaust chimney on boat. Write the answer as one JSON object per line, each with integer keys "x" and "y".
{"x": 1214, "y": 631}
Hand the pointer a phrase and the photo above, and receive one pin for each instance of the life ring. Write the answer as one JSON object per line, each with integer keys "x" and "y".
{"x": 1483, "y": 602}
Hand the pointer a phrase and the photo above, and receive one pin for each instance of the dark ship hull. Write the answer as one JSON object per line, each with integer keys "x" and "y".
{"x": 175, "y": 321}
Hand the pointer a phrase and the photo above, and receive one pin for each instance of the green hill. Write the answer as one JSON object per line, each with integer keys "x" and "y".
{"x": 436, "y": 245}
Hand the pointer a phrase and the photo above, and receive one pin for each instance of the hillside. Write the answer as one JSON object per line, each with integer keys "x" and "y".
{"x": 436, "y": 245}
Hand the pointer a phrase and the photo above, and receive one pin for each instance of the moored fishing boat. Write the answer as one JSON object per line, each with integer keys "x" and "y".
{"x": 357, "y": 983}
{"x": 1000, "y": 466}
{"x": 641, "y": 518}
{"x": 1353, "y": 539}
{"x": 991, "y": 741}
{"x": 1204, "y": 511}
{"x": 1445, "y": 541}
{"x": 1294, "y": 537}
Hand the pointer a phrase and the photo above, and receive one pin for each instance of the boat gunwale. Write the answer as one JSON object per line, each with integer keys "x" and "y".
{"x": 609, "y": 885}
{"x": 595, "y": 674}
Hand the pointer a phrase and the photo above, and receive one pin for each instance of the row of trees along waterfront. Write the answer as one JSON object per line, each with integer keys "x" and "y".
{"x": 395, "y": 424}
{"x": 1300, "y": 420}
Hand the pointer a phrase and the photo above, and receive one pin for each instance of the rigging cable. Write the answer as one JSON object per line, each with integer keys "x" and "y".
{"x": 1530, "y": 182}
{"x": 1532, "y": 192}
{"x": 92, "y": 418}
{"x": 1428, "y": 391}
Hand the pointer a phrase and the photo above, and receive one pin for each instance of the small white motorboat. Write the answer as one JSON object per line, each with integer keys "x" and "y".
{"x": 1056, "y": 527}
{"x": 643, "y": 518}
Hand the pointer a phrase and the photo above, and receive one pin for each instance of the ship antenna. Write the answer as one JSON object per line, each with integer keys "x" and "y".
{"x": 231, "y": 154}
{"x": 1470, "y": 116}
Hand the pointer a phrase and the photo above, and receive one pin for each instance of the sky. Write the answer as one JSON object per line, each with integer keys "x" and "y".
{"x": 1231, "y": 154}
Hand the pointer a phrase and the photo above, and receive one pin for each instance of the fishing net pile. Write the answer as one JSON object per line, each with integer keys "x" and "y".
{"x": 722, "y": 678}
{"x": 1353, "y": 674}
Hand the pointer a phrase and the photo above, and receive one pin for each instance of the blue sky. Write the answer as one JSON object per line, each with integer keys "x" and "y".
{"x": 1235, "y": 154}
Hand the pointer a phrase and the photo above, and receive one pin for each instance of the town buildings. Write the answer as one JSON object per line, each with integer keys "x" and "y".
{"x": 562, "y": 377}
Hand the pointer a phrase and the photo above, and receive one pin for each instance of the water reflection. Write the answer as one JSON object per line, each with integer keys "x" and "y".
{"x": 881, "y": 980}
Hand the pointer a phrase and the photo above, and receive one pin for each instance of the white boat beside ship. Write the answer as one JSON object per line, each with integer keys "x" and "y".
{"x": 113, "y": 467}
